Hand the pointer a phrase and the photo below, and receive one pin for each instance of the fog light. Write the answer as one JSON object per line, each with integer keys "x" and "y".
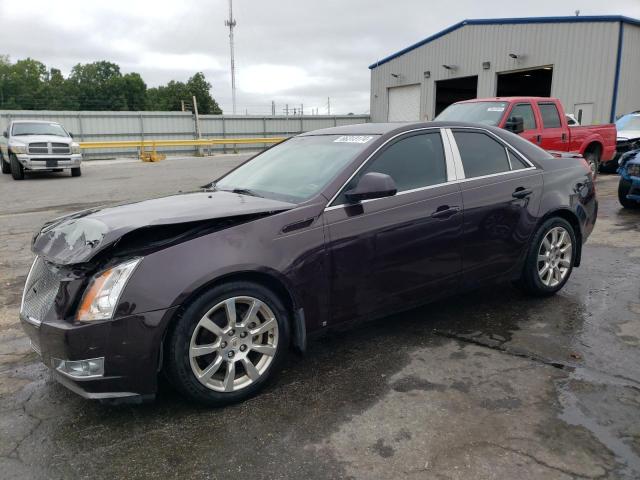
{"x": 91, "y": 368}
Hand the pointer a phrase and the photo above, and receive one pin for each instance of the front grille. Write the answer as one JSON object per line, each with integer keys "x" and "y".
{"x": 623, "y": 146}
{"x": 40, "y": 290}
{"x": 60, "y": 149}
{"x": 39, "y": 148}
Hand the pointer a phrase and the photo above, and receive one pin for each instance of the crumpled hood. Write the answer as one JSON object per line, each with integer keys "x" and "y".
{"x": 628, "y": 134}
{"x": 78, "y": 237}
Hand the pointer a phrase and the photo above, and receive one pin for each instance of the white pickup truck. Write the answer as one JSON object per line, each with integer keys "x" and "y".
{"x": 30, "y": 145}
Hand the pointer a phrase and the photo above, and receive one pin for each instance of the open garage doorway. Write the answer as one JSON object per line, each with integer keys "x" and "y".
{"x": 535, "y": 82}
{"x": 455, "y": 90}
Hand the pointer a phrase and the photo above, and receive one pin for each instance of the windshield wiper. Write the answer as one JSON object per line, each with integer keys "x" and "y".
{"x": 246, "y": 191}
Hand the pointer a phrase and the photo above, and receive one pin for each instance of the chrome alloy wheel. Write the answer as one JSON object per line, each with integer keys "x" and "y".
{"x": 233, "y": 344}
{"x": 554, "y": 256}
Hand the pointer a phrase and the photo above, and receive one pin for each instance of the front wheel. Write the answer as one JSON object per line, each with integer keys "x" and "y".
{"x": 228, "y": 343}
{"x": 17, "y": 170}
{"x": 623, "y": 190}
{"x": 549, "y": 262}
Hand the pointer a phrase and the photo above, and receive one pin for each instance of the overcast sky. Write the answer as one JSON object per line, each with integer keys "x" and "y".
{"x": 289, "y": 51}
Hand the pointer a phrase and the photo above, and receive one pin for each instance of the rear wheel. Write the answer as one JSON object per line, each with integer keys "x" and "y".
{"x": 623, "y": 190}
{"x": 549, "y": 262}
{"x": 76, "y": 172}
{"x": 228, "y": 343}
{"x": 6, "y": 167}
{"x": 17, "y": 170}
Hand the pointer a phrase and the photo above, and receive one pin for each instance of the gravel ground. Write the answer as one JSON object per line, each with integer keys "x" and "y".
{"x": 489, "y": 385}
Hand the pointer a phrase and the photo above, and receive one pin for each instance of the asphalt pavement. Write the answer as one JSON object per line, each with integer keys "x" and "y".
{"x": 488, "y": 385}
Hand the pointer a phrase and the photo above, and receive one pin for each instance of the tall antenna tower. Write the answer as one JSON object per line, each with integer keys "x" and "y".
{"x": 231, "y": 23}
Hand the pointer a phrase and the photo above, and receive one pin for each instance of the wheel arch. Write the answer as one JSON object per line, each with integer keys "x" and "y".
{"x": 267, "y": 279}
{"x": 571, "y": 217}
{"x": 593, "y": 145}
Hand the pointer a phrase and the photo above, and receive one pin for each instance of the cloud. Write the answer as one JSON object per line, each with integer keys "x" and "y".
{"x": 288, "y": 51}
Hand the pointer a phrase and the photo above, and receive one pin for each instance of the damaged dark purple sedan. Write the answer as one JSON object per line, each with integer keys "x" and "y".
{"x": 212, "y": 288}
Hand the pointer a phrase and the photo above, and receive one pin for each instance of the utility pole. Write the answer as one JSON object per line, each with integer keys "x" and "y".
{"x": 301, "y": 109}
{"x": 273, "y": 108}
{"x": 231, "y": 23}
{"x": 182, "y": 103}
{"x": 328, "y": 106}
{"x": 197, "y": 118}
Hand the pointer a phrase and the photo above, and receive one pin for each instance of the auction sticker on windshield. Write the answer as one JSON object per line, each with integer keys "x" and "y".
{"x": 353, "y": 139}
{"x": 495, "y": 109}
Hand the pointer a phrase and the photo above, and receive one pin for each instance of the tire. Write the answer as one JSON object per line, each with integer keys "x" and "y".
{"x": 17, "y": 170}
{"x": 205, "y": 323}
{"x": 6, "y": 167}
{"x": 593, "y": 159}
{"x": 623, "y": 190}
{"x": 534, "y": 280}
{"x": 76, "y": 172}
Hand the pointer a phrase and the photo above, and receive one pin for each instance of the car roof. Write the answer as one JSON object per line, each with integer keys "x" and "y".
{"x": 387, "y": 128}
{"x": 34, "y": 121}
{"x": 508, "y": 99}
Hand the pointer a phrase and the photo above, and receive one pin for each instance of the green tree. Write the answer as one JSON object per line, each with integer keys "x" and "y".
{"x": 99, "y": 86}
{"x": 24, "y": 84}
{"x": 59, "y": 93}
{"x": 198, "y": 86}
{"x": 135, "y": 91}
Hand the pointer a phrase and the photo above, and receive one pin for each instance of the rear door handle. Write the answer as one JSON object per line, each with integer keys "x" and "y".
{"x": 445, "y": 211}
{"x": 538, "y": 138}
{"x": 521, "y": 192}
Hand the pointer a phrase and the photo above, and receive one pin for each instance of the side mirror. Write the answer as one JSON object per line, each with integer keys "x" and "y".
{"x": 372, "y": 185}
{"x": 70, "y": 134}
{"x": 5, "y": 134}
{"x": 515, "y": 124}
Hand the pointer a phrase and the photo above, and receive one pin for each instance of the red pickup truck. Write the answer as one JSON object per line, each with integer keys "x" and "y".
{"x": 542, "y": 121}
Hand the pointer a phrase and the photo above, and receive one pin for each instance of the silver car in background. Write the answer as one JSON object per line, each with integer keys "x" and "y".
{"x": 32, "y": 145}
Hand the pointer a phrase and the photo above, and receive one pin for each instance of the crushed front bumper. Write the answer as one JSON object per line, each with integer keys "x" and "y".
{"x": 49, "y": 162}
{"x": 130, "y": 346}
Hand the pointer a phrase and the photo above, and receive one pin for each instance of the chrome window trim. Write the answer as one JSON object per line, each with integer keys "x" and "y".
{"x": 448, "y": 156}
{"x": 506, "y": 151}
{"x": 446, "y": 132}
{"x": 364, "y": 162}
{"x": 457, "y": 159}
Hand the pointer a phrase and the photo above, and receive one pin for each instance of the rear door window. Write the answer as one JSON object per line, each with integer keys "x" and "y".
{"x": 481, "y": 155}
{"x": 550, "y": 115}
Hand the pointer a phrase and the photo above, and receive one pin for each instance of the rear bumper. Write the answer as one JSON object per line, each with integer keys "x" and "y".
{"x": 130, "y": 346}
{"x": 49, "y": 162}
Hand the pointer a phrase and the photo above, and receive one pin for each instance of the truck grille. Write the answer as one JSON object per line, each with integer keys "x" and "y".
{"x": 44, "y": 148}
{"x": 60, "y": 149}
{"x": 40, "y": 291}
{"x": 39, "y": 148}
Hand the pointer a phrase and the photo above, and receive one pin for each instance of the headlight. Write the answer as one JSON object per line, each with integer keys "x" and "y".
{"x": 101, "y": 297}
{"x": 19, "y": 149}
{"x": 75, "y": 148}
{"x": 634, "y": 170}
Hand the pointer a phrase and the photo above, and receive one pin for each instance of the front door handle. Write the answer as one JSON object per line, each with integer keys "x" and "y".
{"x": 538, "y": 138}
{"x": 445, "y": 211}
{"x": 521, "y": 192}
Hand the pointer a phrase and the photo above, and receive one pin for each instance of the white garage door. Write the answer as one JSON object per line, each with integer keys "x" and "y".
{"x": 404, "y": 104}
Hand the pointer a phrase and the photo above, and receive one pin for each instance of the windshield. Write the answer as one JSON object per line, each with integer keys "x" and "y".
{"x": 628, "y": 122}
{"x": 296, "y": 169}
{"x": 488, "y": 113}
{"x": 38, "y": 129}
